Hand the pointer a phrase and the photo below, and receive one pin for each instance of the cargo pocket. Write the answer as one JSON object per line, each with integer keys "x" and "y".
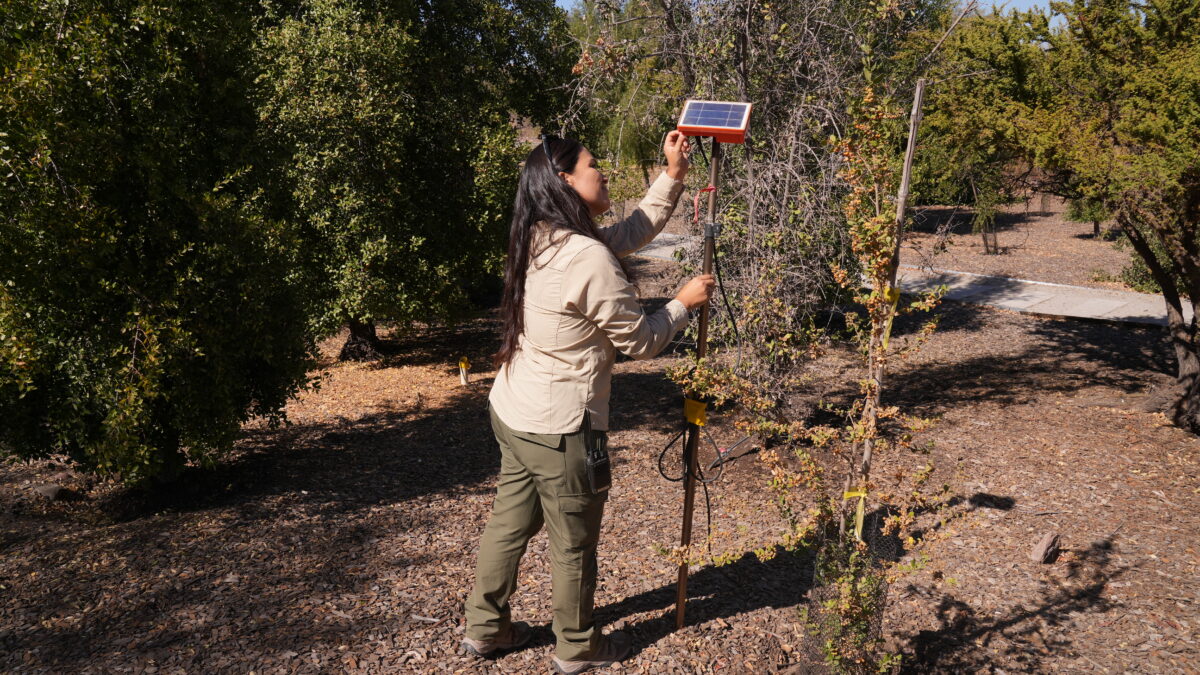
{"x": 581, "y": 515}
{"x": 579, "y": 503}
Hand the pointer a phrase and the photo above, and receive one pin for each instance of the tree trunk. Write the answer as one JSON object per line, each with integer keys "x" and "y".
{"x": 1184, "y": 334}
{"x": 1095, "y": 229}
{"x": 990, "y": 245}
{"x": 362, "y": 344}
{"x": 1185, "y": 411}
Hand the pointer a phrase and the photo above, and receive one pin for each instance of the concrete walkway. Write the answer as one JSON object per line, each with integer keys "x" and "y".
{"x": 1020, "y": 295}
{"x": 1040, "y": 297}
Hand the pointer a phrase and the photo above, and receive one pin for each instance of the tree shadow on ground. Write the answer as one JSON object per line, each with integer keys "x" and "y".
{"x": 1109, "y": 234}
{"x": 1028, "y": 633}
{"x": 960, "y": 220}
{"x": 475, "y": 339}
{"x": 646, "y": 401}
{"x": 1064, "y": 356}
{"x": 742, "y": 586}
{"x": 271, "y": 538}
{"x": 380, "y": 458}
{"x": 749, "y": 583}
{"x": 294, "y": 516}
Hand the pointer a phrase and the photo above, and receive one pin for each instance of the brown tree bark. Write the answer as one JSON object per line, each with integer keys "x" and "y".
{"x": 1186, "y": 410}
{"x": 362, "y": 344}
{"x": 1183, "y": 334}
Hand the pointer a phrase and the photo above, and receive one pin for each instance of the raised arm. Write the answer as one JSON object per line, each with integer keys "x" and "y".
{"x": 597, "y": 288}
{"x": 656, "y": 207}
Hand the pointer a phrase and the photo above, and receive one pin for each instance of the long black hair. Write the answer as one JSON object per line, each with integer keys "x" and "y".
{"x": 542, "y": 197}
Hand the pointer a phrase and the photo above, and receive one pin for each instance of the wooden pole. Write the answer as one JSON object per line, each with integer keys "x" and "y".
{"x": 914, "y": 120}
{"x": 692, "y": 444}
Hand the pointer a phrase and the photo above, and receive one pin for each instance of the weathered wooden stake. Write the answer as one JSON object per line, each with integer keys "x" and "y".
{"x": 914, "y": 120}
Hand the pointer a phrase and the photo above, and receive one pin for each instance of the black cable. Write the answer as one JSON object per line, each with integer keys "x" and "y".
{"x": 699, "y": 476}
{"x": 662, "y": 471}
{"x": 721, "y": 467}
{"x": 728, "y": 308}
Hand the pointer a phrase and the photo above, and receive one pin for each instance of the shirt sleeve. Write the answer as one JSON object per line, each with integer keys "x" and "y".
{"x": 647, "y": 219}
{"x": 596, "y": 287}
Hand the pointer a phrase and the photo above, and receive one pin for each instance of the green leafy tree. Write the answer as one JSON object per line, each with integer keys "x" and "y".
{"x": 1087, "y": 210}
{"x": 394, "y": 152}
{"x": 145, "y": 304}
{"x": 985, "y": 73}
{"x": 1127, "y": 128}
{"x": 1107, "y": 112}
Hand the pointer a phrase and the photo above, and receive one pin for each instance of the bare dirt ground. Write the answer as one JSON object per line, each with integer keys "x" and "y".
{"x": 1036, "y": 242}
{"x": 345, "y": 542}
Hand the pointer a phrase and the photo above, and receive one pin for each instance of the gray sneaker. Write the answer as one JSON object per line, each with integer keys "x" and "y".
{"x": 613, "y": 647}
{"x": 518, "y": 636}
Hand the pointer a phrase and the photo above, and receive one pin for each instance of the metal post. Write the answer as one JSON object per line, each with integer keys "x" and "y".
{"x": 693, "y": 432}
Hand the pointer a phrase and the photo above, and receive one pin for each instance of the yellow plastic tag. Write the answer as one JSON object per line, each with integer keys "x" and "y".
{"x": 695, "y": 412}
{"x": 858, "y": 518}
{"x": 860, "y": 511}
{"x": 893, "y": 297}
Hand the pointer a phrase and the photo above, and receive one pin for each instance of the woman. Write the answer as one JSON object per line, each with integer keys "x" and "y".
{"x": 568, "y": 305}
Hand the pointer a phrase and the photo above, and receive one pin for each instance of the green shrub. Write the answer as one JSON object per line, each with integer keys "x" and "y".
{"x": 146, "y": 307}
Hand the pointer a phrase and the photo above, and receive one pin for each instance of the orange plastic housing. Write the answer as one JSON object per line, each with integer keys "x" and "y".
{"x": 699, "y": 124}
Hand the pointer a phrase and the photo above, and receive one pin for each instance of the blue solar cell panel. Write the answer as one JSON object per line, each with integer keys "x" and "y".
{"x": 714, "y": 114}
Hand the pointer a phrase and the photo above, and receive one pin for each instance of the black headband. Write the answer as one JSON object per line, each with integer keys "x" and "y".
{"x": 546, "y": 149}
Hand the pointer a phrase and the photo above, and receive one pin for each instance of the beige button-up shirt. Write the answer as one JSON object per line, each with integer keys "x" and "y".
{"x": 580, "y": 309}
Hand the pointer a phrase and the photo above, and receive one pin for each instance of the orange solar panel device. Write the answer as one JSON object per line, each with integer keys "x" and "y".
{"x": 725, "y": 121}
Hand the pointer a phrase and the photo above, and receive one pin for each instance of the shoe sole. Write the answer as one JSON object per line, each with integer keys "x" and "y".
{"x": 559, "y": 669}
{"x": 465, "y": 648}
{"x": 470, "y": 650}
{"x": 594, "y": 664}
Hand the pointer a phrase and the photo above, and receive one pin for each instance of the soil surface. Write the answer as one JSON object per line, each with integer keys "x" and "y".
{"x": 1035, "y": 239}
{"x": 346, "y": 541}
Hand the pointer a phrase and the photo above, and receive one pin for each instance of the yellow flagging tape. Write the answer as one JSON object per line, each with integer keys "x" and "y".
{"x": 695, "y": 412}
{"x": 893, "y": 297}
{"x": 860, "y": 511}
{"x": 464, "y": 363}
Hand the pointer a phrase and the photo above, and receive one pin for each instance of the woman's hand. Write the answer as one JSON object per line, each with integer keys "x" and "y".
{"x": 696, "y": 292}
{"x": 676, "y": 148}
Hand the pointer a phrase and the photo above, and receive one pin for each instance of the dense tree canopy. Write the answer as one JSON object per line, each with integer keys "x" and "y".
{"x": 194, "y": 193}
{"x": 393, "y": 147}
{"x": 1128, "y": 127}
{"x": 145, "y": 309}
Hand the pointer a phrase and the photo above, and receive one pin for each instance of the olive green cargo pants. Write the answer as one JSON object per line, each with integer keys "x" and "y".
{"x": 543, "y": 479}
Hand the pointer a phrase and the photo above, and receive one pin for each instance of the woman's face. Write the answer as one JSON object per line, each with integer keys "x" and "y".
{"x": 591, "y": 185}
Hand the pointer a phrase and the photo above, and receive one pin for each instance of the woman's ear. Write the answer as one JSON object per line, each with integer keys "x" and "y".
{"x": 567, "y": 177}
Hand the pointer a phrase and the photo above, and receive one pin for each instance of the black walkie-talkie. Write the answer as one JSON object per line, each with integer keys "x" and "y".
{"x": 599, "y": 471}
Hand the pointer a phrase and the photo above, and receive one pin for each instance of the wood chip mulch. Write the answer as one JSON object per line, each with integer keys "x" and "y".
{"x": 1036, "y": 242}
{"x": 346, "y": 541}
